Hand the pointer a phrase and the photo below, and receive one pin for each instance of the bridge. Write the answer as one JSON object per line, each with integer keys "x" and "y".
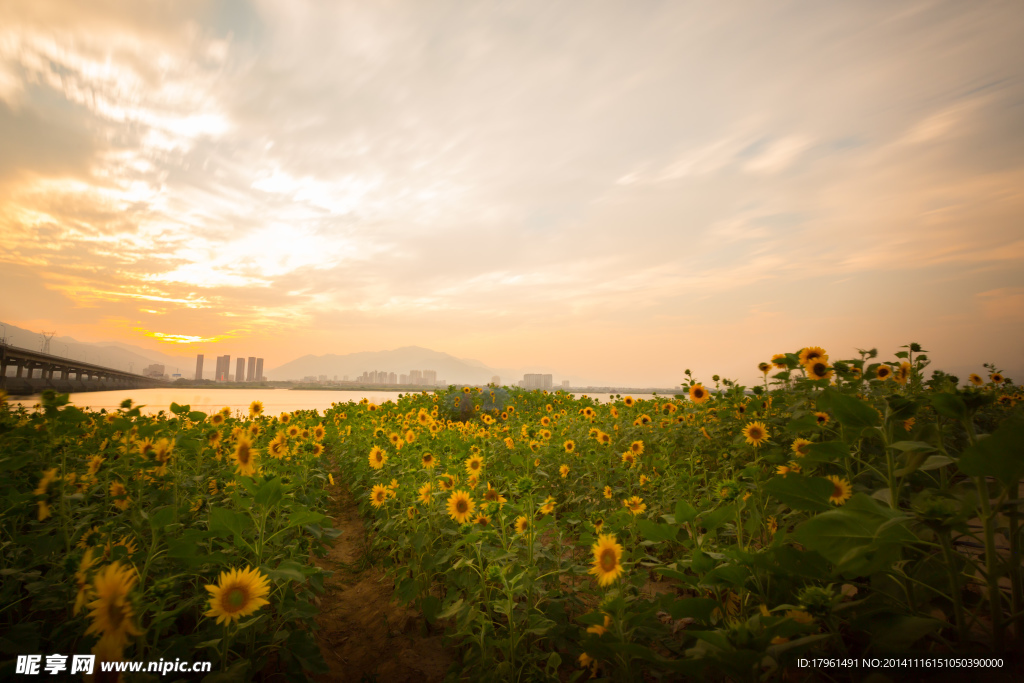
{"x": 34, "y": 371}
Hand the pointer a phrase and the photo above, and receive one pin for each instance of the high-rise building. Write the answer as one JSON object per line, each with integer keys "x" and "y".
{"x": 392, "y": 378}
{"x": 403, "y": 379}
{"x": 259, "y": 370}
{"x": 415, "y": 377}
{"x": 430, "y": 377}
{"x": 240, "y": 370}
{"x": 223, "y": 368}
{"x": 155, "y": 370}
{"x": 496, "y": 381}
{"x": 251, "y": 374}
{"x": 565, "y": 384}
{"x": 537, "y": 381}
{"x": 199, "y": 367}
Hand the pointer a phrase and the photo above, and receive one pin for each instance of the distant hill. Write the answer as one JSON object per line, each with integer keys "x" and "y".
{"x": 399, "y": 361}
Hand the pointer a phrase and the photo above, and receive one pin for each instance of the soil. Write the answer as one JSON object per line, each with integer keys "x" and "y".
{"x": 365, "y": 633}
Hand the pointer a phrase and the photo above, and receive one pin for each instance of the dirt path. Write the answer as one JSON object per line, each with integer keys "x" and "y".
{"x": 365, "y": 635}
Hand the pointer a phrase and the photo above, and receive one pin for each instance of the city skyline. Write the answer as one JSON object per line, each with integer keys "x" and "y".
{"x": 612, "y": 193}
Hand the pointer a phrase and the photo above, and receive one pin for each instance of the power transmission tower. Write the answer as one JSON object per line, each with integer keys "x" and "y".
{"x": 46, "y": 341}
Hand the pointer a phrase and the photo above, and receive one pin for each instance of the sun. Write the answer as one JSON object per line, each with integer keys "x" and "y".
{"x": 237, "y": 594}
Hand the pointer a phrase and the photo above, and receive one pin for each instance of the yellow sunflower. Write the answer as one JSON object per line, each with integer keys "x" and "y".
{"x": 548, "y": 506}
{"x": 764, "y": 367}
{"x": 120, "y": 495}
{"x": 608, "y": 492}
{"x": 569, "y": 446}
{"x": 460, "y": 506}
{"x": 884, "y": 372}
{"x": 903, "y": 373}
{"x": 698, "y": 394}
{"x": 216, "y": 419}
{"x": 427, "y": 460}
{"x": 424, "y": 493}
{"x": 603, "y": 438}
{"x": 779, "y": 361}
{"x": 635, "y": 504}
{"x": 482, "y": 520}
{"x": 564, "y": 471}
{"x": 238, "y": 593}
{"x": 377, "y": 458}
{"x": 244, "y": 457}
{"x": 629, "y": 458}
{"x": 255, "y": 409}
{"x": 800, "y": 447}
{"x": 522, "y": 524}
{"x": 378, "y": 495}
{"x": 474, "y": 464}
{"x": 996, "y": 377}
{"x": 111, "y": 612}
{"x": 607, "y": 560}
{"x": 812, "y": 353}
{"x": 637, "y": 447}
{"x": 756, "y": 433}
{"x": 821, "y": 418}
{"x": 818, "y": 369}
{"x": 841, "y": 490}
{"x": 285, "y": 417}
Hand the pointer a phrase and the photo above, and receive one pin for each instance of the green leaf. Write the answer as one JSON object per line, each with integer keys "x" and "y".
{"x": 935, "y": 462}
{"x": 801, "y": 492}
{"x": 913, "y": 446}
{"x": 197, "y": 416}
{"x": 693, "y": 608}
{"x": 653, "y": 531}
{"x": 161, "y": 517}
{"x": 713, "y": 519}
{"x": 949, "y": 405}
{"x": 827, "y": 451}
{"x": 685, "y": 512}
{"x": 223, "y": 519}
{"x": 802, "y": 424}
{"x": 860, "y": 538}
{"x": 850, "y": 411}
{"x": 269, "y": 493}
{"x": 288, "y": 570}
{"x": 999, "y": 455}
{"x": 177, "y": 409}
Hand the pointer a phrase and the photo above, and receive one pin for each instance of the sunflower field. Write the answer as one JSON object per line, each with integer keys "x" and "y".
{"x": 176, "y": 536}
{"x": 842, "y": 508}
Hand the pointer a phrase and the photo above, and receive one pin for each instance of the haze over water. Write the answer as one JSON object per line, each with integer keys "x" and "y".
{"x": 275, "y": 401}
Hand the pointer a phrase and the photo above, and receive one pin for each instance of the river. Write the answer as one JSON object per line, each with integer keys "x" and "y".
{"x": 275, "y": 401}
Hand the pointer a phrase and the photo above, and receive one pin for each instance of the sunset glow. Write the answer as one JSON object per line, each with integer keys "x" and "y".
{"x": 609, "y": 192}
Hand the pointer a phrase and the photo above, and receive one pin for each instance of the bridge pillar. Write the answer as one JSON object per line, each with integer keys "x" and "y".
{"x": 21, "y": 367}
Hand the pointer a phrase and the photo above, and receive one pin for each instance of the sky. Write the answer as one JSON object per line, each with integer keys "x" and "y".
{"x": 612, "y": 192}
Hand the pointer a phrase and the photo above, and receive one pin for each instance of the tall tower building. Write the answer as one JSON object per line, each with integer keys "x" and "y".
{"x": 259, "y": 370}
{"x": 430, "y": 377}
{"x": 223, "y": 368}
{"x": 240, "y": 370}
{"x": 415, "y": 377}
{"x": 199, "y": 367}
{"x": 252, "y": 369}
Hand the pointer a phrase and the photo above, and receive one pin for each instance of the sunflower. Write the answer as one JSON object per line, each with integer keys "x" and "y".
{"x": 491, "y": 495}
{"x": 330, "y": 477}
{"x": 546, "y": 421}
{"x": 800, "y": 447}
{"x": 603, "y": 438}
{"x": 482, "y": 520}
{"x": 394, "y": 438}
{"x": 607, "y": 560}
{"x": 841, "y": 490}
{"x": 564, "y": 471}
{"x": 255, "y": 409}
{"x": 427, "y": 460}
{"x": 821, "y": 418}
{"x": 642, "y": 420}
{"x": 378, "y": 495}
{"x": 84, "y": 595}
{"x": 996, "y": 377}
{"x": 903, "y": 373}
{"x": 244, "y": 457}
{"x": 588, "y": 412}
{"x": 424, "y": 493}
{"x": 629, "y": 458}
{"x": 773, "y": 525}
{"x": 812, "y": 353}
{"x": 764, "y": 367}
{"x": 608, "y": 492}
{"x": 548, "y": 506}
{"x": 598, "y": 525}
{"x": 635, "y": 504}
{"x": 318, "y": 450}
{"x": 629, "y": 401}
{"x": 120, "y": 495}
{"x": 698, "y": 394}
{"x": 756, "y": 433}
{"x": 460, "y": 506}
{"x": 237, "y": 594}
{"x": 474, "y": 464}
{"x": 818, "y": 369}
{"x": 447, "y": 481}
{"x": 216, "y": 419}
{"x": 377, "y": 458}
{"x": 884, "y": 372}
{"x": 569, "y": 446}
{"x": 285, "y": 417}
{"x": 278, "y": 446}
{"x": 600, "y": 630}
{"x": 976, "y": 380}
{"x": 636, "y": 448}
{"x": 614, "y": 411}
{"x": 522, "y": 524}
{"x": 112, "y": 612}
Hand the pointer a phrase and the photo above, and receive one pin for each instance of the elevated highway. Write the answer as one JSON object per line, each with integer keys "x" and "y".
{"x": 24, "y": 372}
